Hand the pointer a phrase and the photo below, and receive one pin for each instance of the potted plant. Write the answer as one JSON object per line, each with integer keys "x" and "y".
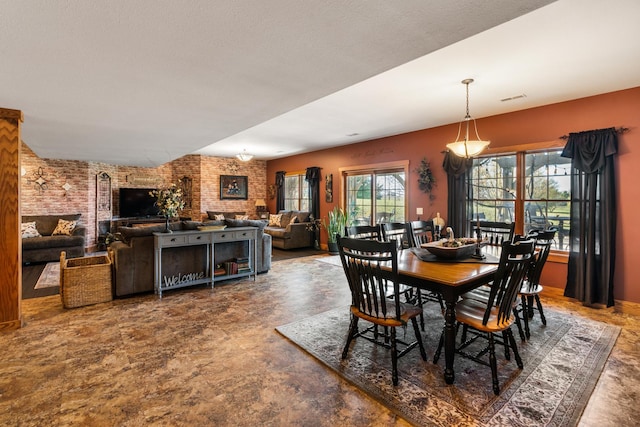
{"x": 335, "y": 225}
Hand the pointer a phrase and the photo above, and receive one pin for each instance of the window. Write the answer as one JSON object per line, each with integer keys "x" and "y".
{"x": 374, "y": 196}
{"x": 531, "y": 189}
{"x": 296, "y": 193}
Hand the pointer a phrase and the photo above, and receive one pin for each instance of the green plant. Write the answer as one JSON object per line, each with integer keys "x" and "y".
{"x": 336, "y": 223}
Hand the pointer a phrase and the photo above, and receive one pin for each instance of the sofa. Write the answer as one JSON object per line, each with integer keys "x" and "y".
{"x": 133, "y": 256}
{"x": 221, "y": 216}
{"x": 47, "y": 247}
{"x": 290, "y": 229}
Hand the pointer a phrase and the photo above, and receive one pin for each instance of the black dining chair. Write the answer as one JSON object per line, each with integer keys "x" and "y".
{"x": 362, "y": 261}
{"x": 496, "y": 314}
{"x": 396, "y": 232}
{"x": 493, "y": 233}
{"x": 419, "y": 232}
{"x": 368, "y": 232}
{"x": 531, "y": 288}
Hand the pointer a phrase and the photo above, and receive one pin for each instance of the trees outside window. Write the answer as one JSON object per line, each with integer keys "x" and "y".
{"x": 296, "y": 193}
{"x": 531, "y": 189}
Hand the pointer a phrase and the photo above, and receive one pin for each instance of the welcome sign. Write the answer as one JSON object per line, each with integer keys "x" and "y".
{"x": 180, "y": 278}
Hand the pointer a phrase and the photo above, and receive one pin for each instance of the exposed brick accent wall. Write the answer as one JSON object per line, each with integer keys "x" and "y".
{"x": 204, "y": 172}
{"x": 213, "y": 167}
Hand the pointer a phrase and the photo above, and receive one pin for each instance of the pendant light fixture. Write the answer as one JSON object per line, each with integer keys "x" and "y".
{"x": 244, "y": 156}
{"x": 467, "y": 147}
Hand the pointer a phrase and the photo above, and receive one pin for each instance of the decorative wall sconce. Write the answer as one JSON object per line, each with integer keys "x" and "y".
{"x": 272, "y": 191}
{"x": 186, "y": 185}
{"x": 233, "y": 167}
{"x": 39, "y": 180}
{"x": 103, "y": 196}
{"x": 328, "y": 188}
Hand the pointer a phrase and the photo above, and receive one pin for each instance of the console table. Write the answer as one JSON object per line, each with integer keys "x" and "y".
{"x": 209, "y": 238}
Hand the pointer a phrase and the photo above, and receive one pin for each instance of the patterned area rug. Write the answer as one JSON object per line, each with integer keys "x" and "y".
{"x": 562, "y": 363}
{"x": 50, "y": 276}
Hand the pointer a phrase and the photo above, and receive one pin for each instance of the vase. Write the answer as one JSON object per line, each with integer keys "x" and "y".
{"x": 333, "y": 248}
{"x": 166, "y": 225}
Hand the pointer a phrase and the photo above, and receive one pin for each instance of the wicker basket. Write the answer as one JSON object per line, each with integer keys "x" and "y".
{"x": 85, "y": 281}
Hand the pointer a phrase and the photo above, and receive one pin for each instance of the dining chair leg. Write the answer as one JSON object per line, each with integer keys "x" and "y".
{"x": 525, "y": 315}
{"x": 514, "y": 346}
{"x": 539, "y": 304}
{"x": 419, "y": 299}
{"x": 530, "y": 306}
{"x": 505, "y": 340}
{"x": 419, "y": 338}
{"x": 493, "y": 364}
{"x": 436, "y": 355}
{"x": 516, "y": 315}
{"x": 353, "y": 330}
{"x": 463, "y": 337}
{"x": 394, "y": 357}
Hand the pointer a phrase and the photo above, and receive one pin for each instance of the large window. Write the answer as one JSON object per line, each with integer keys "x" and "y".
{"x": 375, "y": 196}
{"x": 530, "y": 188}
{"x": 296, "y": 193}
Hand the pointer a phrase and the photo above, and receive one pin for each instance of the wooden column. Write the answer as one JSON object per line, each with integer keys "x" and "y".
{"x": 10, "y": 220}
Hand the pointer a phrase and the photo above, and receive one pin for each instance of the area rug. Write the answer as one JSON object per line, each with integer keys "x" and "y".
{"x": 562, "y": 363}
{"x": 331, "y": 259}
{"x": 49, "y": 277}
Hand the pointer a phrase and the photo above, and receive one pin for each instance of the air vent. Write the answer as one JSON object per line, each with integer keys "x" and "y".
{"x": 511, "y": 98}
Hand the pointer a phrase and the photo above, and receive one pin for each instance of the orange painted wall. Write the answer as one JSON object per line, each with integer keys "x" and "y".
{"x": 547, "y": 123}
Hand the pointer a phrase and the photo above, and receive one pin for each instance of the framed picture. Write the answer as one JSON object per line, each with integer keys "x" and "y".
{"x": 233, "y": 187}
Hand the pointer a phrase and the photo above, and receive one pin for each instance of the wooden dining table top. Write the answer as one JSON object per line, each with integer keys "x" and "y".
{"x": 445, "y": 273}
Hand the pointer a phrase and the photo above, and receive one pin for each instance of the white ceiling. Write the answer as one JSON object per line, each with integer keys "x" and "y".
{"x": 142, "y": 82}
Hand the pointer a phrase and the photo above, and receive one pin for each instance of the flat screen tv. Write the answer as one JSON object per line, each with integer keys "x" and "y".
{"x": 137, "y": 202}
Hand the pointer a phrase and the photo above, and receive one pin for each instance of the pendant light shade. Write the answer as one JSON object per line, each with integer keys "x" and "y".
{"x": 467, "y": 147}
{"x": 244, "y": 156}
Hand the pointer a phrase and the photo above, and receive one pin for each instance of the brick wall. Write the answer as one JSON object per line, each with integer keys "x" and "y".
{"x": 43, "y": 183}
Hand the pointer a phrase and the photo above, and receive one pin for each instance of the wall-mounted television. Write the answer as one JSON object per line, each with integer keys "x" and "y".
{"x": 137, "y": 202}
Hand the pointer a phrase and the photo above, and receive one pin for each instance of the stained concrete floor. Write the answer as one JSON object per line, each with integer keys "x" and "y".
{"x": 212, "y": 357}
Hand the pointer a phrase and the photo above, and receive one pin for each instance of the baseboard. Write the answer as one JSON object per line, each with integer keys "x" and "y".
{"x": 624, "y": 307}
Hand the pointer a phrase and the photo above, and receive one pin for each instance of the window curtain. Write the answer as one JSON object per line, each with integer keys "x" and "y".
{"x": 592, "y": 251}
{"x": 457, "y": 169}
{"x": 313, "y": 178}
{"x": 280, "y": 190}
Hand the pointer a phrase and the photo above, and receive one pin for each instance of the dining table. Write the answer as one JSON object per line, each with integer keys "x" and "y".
{"x": 450, "y": 278}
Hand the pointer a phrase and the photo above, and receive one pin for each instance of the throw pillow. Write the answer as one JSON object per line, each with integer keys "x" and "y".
{"x": 293, "y": 220}
{"x": 275, "y": 220}
{"x": 242, "y": 217}
{"x": 29, "y": 230}
{"x": 219, "y": 217}
{"x": 64, "y": 228}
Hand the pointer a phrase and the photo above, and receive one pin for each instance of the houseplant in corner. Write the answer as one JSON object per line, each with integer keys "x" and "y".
{"x": 169, "y": 202}
{"x": 335, "y": 225}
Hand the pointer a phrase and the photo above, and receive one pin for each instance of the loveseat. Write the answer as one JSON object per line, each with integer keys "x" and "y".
{"x": 133, "y": 256}
{"x": 47, "y": 247}
{"x": 290, "y": 229}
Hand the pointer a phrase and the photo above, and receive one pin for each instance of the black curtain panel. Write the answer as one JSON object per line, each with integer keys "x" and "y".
{"x": 592, "y": 251}
{"x": 313, "y": 178}
{"x": 280, "y": 190}
{"x": 457, "y": 169}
